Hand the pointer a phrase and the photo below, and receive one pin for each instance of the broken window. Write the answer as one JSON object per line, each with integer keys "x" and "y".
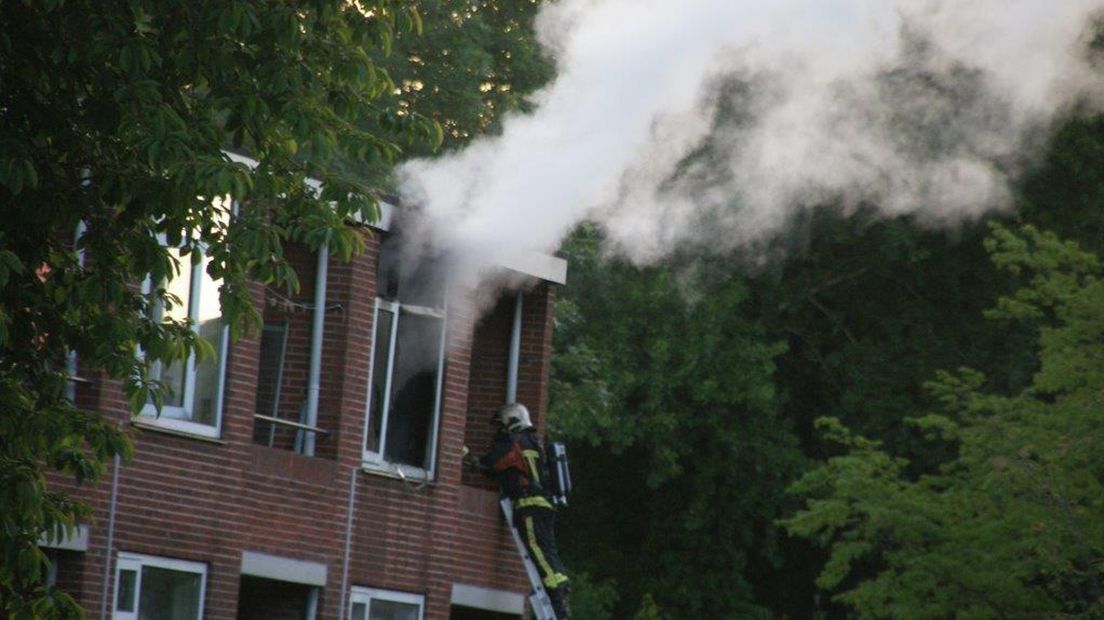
{"x": 404, "y": 390}
{"x": 403, "y": 400}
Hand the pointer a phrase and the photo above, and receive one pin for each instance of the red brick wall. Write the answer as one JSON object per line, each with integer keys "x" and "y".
{"x": 208, "y": 501}
{"x": 490, "y": 355}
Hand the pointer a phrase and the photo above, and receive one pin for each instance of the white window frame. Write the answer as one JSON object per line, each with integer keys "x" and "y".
{"x": 180, "y": 418}
{"x": 135, "y": 561}
{"x": 174, "y": 417}
{"x": 375, "y": 460}
{"x": 365, "y": 596}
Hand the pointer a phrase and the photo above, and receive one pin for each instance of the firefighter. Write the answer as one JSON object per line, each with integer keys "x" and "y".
{"x": 516, "y": 461}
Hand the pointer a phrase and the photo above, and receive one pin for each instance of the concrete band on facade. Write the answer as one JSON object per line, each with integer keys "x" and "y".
{"x": 499, "y": 601}
{"x": 69, "y": 541}
{"x": 257, "y": 564}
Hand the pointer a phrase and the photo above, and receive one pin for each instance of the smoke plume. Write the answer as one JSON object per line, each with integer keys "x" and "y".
{"x": 709, "y": 122}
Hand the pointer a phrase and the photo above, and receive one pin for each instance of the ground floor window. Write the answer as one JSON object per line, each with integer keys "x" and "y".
{"x": 153, "y": 588}
{"x": 372, "y": 604}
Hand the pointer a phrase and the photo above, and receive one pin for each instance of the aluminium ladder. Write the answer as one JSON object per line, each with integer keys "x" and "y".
{"x": 538, "y": 598}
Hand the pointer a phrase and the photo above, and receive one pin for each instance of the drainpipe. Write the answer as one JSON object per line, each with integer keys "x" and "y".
{"x": 71, "y": 365}
{"x": 343, "y": 607}
{"x": 515, "y": 353}
{"x": 315, "y": 378}
{"x": 110, "y": 537}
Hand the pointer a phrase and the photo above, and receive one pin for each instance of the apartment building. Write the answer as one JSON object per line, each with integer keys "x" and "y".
{"x": 313, "y": 470}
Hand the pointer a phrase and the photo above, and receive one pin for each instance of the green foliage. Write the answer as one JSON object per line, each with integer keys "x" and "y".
{"x": 473, "y": 61}
{"x": 115, "y": 117}
{"x": 1008, "y": 527}
{"x": 871, "y": 309}
{"x": 648, "y": 609}
{"x": 1063, "y": 193}
{"x": 670, "y": 415}
{"x": 592, "y": 600}
{"x": 476, "y": 60}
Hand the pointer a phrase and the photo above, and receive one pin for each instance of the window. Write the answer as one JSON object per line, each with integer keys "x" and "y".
{"x": 404, "y": 390}
{"x": 270, "y": 379}
{"x": 193, "y": 389}
{"x": 370, "y": 604}
{"x": 152, "y": 588}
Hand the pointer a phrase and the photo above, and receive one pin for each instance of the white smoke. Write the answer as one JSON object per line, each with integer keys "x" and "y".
{"x": 711, "y": 121}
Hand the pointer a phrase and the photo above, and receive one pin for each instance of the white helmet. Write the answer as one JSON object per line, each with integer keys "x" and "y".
{"x": 513, "y": 417}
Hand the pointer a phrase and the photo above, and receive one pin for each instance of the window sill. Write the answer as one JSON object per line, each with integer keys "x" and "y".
{"x": 152, "y": 425}
{"x": 418, "y": 478}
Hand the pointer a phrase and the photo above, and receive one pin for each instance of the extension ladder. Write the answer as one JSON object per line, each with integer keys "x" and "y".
{"x": 538, "y": 597}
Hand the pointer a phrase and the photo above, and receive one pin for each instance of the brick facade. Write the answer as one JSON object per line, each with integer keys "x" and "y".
{"x": 211, "y": 500}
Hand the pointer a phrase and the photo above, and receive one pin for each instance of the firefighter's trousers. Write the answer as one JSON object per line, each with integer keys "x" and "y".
{"x": 536, "y": 526}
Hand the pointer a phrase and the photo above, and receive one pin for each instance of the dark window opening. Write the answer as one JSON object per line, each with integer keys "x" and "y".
{"x": 457, "y": 612}
{"x": 407, "y": 359}
{"x": 269, "y": 599}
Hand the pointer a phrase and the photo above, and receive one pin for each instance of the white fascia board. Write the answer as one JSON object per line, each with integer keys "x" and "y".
{"x": 256, "y": 564}
{"x": 543, "y": 266}
{"x": 499, "y": 601}
{"x": 77, "y": 541}
{"x": 386, "y": 216}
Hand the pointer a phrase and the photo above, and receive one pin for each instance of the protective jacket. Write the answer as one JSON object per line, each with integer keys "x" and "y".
{"x": 516, "y": 461}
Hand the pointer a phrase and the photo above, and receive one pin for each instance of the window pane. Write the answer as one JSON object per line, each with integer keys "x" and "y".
{"x": 384, "y": 321}
{"x": 270, "y": 370}
{"x": 208, "y": 322}
{"x": 413, "y": 389}
{"x": 392, "y": 610}
{"x": 125, "y": 600}
{"x": 172, "y": 375}
{"x": 169, "y": 594}
{"x": 360, "y": 611}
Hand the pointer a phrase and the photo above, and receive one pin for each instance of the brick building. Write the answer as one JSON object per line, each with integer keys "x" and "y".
{"x": 302, "y": 477}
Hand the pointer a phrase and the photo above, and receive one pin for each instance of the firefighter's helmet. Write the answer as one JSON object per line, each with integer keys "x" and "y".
{"x": 513, "y": 417}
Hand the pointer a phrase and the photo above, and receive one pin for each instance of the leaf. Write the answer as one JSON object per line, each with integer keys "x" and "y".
{"x": 30, "y": 174}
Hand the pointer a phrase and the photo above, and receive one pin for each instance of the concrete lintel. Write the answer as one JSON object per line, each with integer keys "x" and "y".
{"x": 256, "y": 564}
{"x": 499, "y": 601}
{"x": 543, "y": 266}
{"x": 78, "y": 541}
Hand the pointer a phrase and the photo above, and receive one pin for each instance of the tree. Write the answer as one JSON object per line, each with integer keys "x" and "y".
{"x": 1008, "y": 525}
{"x": 872, "y": 308}
{"x": 670, "y": 413}
{"x": 115, "y": 119}
{"x": 868, "y": 310}
{"x": 475, "y": 61}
